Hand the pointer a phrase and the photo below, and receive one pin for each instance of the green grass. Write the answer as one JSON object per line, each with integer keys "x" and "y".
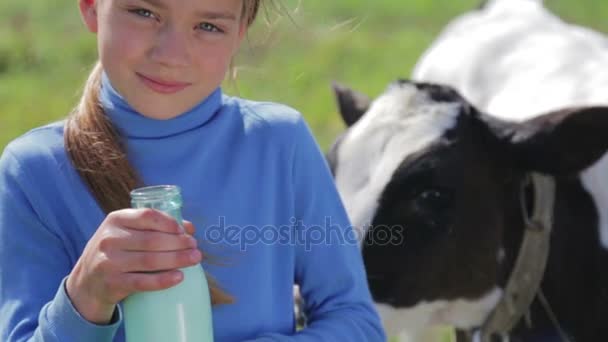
{"x": 45, "y": 54}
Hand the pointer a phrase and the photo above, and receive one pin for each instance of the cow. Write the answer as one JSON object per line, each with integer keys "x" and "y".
{"x": 435, "y": 176}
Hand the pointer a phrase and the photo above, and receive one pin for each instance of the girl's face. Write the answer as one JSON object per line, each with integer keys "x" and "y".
{"x": 165, "y": 56}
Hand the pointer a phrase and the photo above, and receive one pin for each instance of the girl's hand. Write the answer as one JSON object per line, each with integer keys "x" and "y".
{"x": 117, "y": 261}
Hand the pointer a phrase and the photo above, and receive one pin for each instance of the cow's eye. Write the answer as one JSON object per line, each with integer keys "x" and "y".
{"x": 432, "y": 208}
{"x": 434, "y": 199}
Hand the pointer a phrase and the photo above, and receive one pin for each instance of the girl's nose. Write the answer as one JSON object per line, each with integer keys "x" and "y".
{"x": 171, "y": 48}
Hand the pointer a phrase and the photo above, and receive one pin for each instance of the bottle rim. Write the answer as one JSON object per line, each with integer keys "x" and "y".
{"x": 155, "y": 192}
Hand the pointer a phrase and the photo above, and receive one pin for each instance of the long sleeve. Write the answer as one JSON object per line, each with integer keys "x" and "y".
{"x": 261, "y": 158}
{"x": 329, "y": 266}
{"x": 34, "y": 305}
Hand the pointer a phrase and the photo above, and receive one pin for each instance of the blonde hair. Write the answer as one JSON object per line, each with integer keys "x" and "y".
{"x": 98, "y": 153}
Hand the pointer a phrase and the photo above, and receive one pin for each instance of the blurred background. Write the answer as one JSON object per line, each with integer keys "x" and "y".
{"x": 289, "y": 57}
{"x": 292, "y": 54}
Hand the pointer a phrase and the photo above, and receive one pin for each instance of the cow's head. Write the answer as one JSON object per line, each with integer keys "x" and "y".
{"x": 435, "y": 189}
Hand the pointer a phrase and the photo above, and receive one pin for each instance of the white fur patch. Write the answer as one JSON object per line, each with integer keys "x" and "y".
{"x": 516, "y": 60}
{"x": 402, "y": 121}
{"x": 595, "y": 181}
{"x": 409, "y": 323}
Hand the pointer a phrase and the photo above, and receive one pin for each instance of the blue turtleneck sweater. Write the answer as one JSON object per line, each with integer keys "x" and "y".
{"x": 254, "y": 184}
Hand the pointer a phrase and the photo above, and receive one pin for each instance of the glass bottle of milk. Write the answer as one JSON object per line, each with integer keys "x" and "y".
{"x": 181, "y": 313}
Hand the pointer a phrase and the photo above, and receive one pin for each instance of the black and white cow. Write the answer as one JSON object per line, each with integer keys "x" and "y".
{"x": 434, "y": 184}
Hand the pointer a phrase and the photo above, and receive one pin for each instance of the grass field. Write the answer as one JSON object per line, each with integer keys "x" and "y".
{"x": 45, "y": 53}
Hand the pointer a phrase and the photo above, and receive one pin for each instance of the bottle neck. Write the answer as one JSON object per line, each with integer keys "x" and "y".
{"x": 165, "y": 198}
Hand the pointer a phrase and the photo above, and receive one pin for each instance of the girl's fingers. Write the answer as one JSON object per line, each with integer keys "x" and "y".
{"x": 158, "y": 261}
{"x": 141, "y": 241}
{"x": 145, "y": 219}
{"x": 189, "y": 227}
{"x": 137, "y": 282}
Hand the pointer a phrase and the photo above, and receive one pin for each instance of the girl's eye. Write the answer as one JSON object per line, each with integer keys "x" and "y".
{"x": 142, "y": 13}
{"x": 208, "y": 27}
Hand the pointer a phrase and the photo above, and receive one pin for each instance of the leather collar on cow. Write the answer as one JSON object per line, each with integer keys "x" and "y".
{"x": 524, "y": 283}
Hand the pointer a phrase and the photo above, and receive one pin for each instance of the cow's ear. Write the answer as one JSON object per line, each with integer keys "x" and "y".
{"x": 561, "y": 142}
{"x": 351, "y": 104}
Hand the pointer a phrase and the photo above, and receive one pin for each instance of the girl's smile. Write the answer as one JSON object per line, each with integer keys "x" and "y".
{"x": 162, "y": 86}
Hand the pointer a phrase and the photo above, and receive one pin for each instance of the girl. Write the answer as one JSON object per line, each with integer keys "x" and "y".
{"x": 253, "y": 179}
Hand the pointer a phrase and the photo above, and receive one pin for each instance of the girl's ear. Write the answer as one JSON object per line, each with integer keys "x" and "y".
{"x": 244, "y": 27}
{"x": 88, "y": 11}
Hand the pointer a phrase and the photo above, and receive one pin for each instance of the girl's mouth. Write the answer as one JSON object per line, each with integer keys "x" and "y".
{"x": 162, "y": 86}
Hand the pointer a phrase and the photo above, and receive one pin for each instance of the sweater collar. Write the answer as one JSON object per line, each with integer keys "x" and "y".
{"x": 132, "y": 124}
